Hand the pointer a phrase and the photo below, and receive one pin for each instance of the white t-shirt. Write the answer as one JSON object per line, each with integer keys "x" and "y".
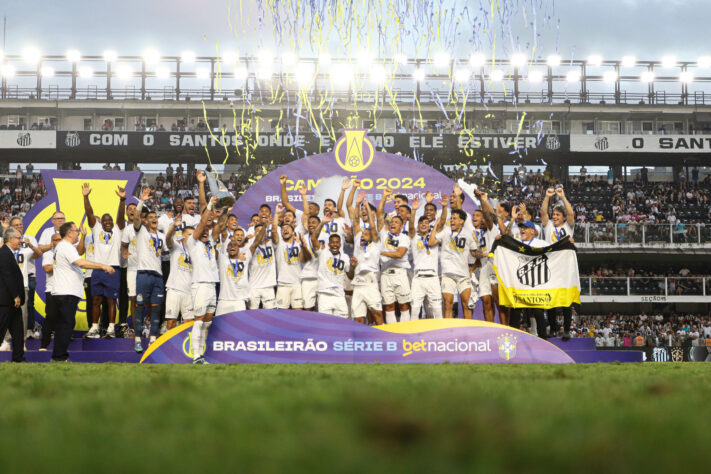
{"x": 536, "y": 243}
{"x": 68, "y": 277}
{"x": 181, "y": 269}
{"x": 234, "y": 276}
{"x": 30, "y": 267}
{"x": 262, "y": 268}
{"x": 332, "y": 271}
{"x": 48, "y": 259}
{"x": 204, "y": 259}
{"x": 554, "y": 234}
{"x": 107, "y": 245}
{"x": 309, "y": 271}
{"x": 46, "y": 236}
{"x": 150, "y": 247}
{"x": 128, "y": 236}
{"x": 89, "y": 253}
{"x": 456, "y": 247}
{"x": 424, "y": 263}
{"x": 336, "y": 226}
{"x": 390, "y": 243}
{"x": 368, "y": 257}
{"x": 288, "y": 262}
{"x": 23, "y": 257}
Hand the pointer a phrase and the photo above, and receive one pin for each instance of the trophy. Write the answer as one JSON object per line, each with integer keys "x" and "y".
{"x": 225, "y": 199}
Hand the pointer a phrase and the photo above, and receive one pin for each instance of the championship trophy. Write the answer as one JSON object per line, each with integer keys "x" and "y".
{"x": 225, "y": 199}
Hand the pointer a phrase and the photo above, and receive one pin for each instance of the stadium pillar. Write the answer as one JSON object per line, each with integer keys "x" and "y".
{"x": 108, "y": 81}
{"x": 39, "y": 79}
{"x": 212, "y": 79}
{"x": 143, "y": 79}
{"x": 617, "y": 83}
{"x": 550, "y": 84}
{"x": 481, "y": 83}
{"x": 583, "y": 85}
{"x": 515, "y": 78}
{"x": 74, "y": 81}
{"x": 177, "y": 80}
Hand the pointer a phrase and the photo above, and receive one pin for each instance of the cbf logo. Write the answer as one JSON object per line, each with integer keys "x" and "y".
{"x": 602, "y": 144}
{"x": 535, "y": 272}
{"x": 358, "y": 152}
{"x": 24, "y": 139}
{"x": 507, "y": 346}
{"x": 552, "y": 142}
{"x": 72, "y": 139}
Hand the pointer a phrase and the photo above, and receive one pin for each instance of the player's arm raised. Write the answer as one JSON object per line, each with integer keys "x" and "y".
{"x": 544, "y": 206}
{"x": 374, "y": 236}
{"x": 317, "y": 232}
{"x": 145, "y": 195}
{"x": 443, "y": 215}
{"x": 90, "y": 217}
{"x": 206, "y": 216}
{"x": 275, "y": 223}
{"x": 381, "y": 209}
{"x": 305, "y": 206}
{"x": 171, "y": 231}
{"x": 258, "y": 238}
{"x": 569, "y": 216}
{"x": 284, "y": 196}
{"x": 344, "y": 187}
{"x": 202, "y": 197}
{"x": 352, "y": 211}
{"x": 411, "y": 226}
{"x": 121, "y": 217}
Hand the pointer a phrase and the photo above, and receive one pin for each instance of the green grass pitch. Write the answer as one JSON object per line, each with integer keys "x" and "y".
{"x": 354, "y": 418}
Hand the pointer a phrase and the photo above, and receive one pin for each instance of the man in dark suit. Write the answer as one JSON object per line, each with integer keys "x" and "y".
{"x": 12, "y": 293}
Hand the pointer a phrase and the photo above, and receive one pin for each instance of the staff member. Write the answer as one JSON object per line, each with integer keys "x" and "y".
{"x": 12, "y": 293}
{"x": 69, "y": 286}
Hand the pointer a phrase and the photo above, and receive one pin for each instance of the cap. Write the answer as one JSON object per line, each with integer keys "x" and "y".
{"x": 528, "y": 224}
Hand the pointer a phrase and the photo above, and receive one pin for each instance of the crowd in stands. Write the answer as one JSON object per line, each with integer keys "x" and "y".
{"x": 616, "y": 330}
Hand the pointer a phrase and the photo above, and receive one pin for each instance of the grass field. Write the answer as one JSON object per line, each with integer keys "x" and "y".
{"x": 355, "y": 418}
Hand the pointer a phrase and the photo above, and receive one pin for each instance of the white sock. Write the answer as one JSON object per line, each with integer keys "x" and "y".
{"x": 195, "y": 338}
{"x": 534, "y": 327}
{"x": 390, "y": 317}
{"x": 152, "y": 340}
{"x": 111, "y": 327}
{"x": 405, "y": 315}
{"x": 95, "y": 326}
{"x": 138, "y": 339}
{"x": 436, "y": 310}
{"x": 203, "y": 336}
{"x": 415, "y": 312}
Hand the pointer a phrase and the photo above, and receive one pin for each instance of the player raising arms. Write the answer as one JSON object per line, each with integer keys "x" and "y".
{"x": 309, "y": 270}
{"x": 425, "y": 258}
{"x": 234, "y": 271}
{"x": 178, "y": 300}
{"x": 203, "y": 255}
{"x": 262, "y": 268}
{"x": 107, "y": 250}
{"x": 150, "y": 291}
{"x": 289, "y": 259}
{"x": 366, "y": 255}
{"x": 394, "y": 281}
{"x": 333, "y": 267}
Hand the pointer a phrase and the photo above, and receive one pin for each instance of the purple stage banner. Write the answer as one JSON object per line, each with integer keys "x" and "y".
{"x": 290, "y": 336}
{"x": 64, "y": 194}
{"x": 354, "y": 156}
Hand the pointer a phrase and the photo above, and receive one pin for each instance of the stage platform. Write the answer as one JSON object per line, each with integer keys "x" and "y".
{"x": 581, "y": 350}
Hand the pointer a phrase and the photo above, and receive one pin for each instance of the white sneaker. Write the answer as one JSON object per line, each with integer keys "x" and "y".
{"x": 93, "y": 334}
{"x": 163, "y": 327}
{"x": 29, "y": 334}
{"x": 36, "y": 335}
{"x": 110, "y": 334}
{"x": 5, "y": 347}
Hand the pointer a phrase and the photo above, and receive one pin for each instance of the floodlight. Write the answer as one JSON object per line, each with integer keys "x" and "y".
{"x": 73, "y": 56}
{"x": 668, "y": 61}
{"x": 647, "y": 76}
{"x": 241, "y": 72}
{"x": 628, "y": 61}
{"x": 47, "y": 71}
{"x": 573, "y": 76}
{"x": 230, "y": 57}
{"x": 304, "y": 74}
{"x": 610, "y": 76}
{"x": 497, "y": 75}
{"x": 400, "y": 58}
{"x": 110, "y": 56}
{"x": 187, "y": 57}
{"x": 535, "y": 76}
{"x": 31, "y": 55}
{"x": 553, "y": 60}
{"x": 124, "y": 71}
{"x": 151, "y": 56}
{"x": 441, "y": 60}
{"x": 518, "y": 60}
{"x": 462, "y": 75}
{"x": 477, "y": 60}
{"x": 594, "y": 60}
{"x": 7, "y": 70}
{"x": 377, "y": 74}
{"x": 86, "y": 72}
{"x": 686, "y": 77}
{"x": 418, "y": 74}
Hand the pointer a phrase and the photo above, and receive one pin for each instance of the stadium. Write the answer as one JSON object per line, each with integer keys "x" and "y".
{"x": 327, "y": 239}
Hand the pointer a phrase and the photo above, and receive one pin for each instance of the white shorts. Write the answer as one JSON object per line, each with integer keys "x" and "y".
{"x": 426, "y": 287}
{"x": 330, "y": 304}
{"x": 131, "y": 282}
{"x": 395, "y": 286}
{"x": 177, "y": 302}
{"x": 453, "y": 284}
{"x": 365, "y": 297}
{"x": 230, "y": 306}
{"x": 263, "y": 295}
{"x": 204, "y": 298}
{"x": 308, "y": 292}
{"x": 289, "y": 296}
{"x": 487, "y": 277}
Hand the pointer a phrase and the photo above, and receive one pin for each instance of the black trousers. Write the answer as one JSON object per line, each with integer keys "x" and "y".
{"x": 89, "y": 301}
{"x": 517, "y": 316}
{"x": 165, "y": 268}
{"x": 567, "y": 318}
{"x": 11, "y": 320}
{"x": 66, "y": 311}
{"x": 50, "y": 322}
{"x": 123, "y": 298}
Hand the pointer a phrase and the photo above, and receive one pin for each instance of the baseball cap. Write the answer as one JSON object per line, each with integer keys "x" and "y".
{"x": 528, "y": 224}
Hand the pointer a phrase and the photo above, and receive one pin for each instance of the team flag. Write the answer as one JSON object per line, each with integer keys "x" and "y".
{"x": 544, "y": 278}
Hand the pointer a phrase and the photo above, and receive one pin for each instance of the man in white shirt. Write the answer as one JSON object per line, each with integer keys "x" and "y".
{"x": 456, "y": 246}
{"x": 45, "y": 240}
{"x": 50, "y": 305}
{"x": 333, "y": 268}
{"x": 556, "y": 228}
{"x": 126, "y": 301}
{"x": 394, "y": 264}
{"x": 289, "y": 259}
{"x": 107, "y": 250}
{"x": 234, "y": 272}
{"x": 366, "y": 294}
{"x": 68, "y": 286}
{"x": 485, "y": 231}
{"x": 203, "y": 254}
{"x": 178, "y": 300}
{"x": 262, "y": 271}
{"x": 150, "y": 291}
{"x": 425, "y": 282}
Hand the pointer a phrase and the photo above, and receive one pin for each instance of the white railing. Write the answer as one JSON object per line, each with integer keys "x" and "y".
{"x": 645, "y": 289}
{"x": 642, "y": 235}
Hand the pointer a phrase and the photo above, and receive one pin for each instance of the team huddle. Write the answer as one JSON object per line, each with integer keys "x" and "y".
{"x": 348, "y": 258}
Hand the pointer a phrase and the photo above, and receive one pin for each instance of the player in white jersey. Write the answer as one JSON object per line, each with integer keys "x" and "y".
{"x": 333, "y": 268}
{"x": 234, "y": 272}
{"x": 366, "y": 254}
{"x": 394, "y": 264}
{"x": 262, "y": 269}
{"x": 178, "y": 300}
{"x": 309, "y": 270}
{"x": 106, "y": 237}
{"x": 203, "y": 254}
{"x": 425, "y": 258}
{"x": 150, "y": 290}
{"x": 456, "y": 245}
{"x": 555, "y": 229}
{"x": 485, "y": 232}
{"x": 336, "y": 224}
{"x": 289, "y": 259}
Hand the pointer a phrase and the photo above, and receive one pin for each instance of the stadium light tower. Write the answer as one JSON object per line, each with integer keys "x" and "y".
{"x": 518, "y": 60}
{"x": 110, "y": 56}
{"x": 668, "y": 61}
{"x": 647, "y": 76}
{"x": 31, "y": 55}
{"x": 535, "y": 76}
{"x": 187, "y": 57}
{"x": 477, "y": 60}
{"x": 573, "y": 76}
{"x": 553, "y": 60}
{"x": 400, "y": 58}
{"x": 594, "y": 60}
{"x": 7, "y": 71}
{"x": 418, "y": 74}
{"x": 703, "y": 62}
{"x": 628, "y": 61}
{"x": 610, "y": 76}
{"x": 497, "y": 75}
{"x": 73, "y": 56}
{"x": 462, "y": 75}
{"x": 47, "y": 71}
{"x": 442, "y": 60}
